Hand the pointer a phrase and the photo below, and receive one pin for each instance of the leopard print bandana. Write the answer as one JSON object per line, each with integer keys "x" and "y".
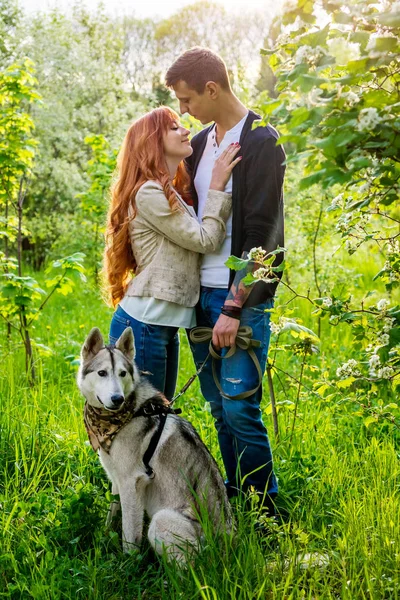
{"x": 102, "y": 425}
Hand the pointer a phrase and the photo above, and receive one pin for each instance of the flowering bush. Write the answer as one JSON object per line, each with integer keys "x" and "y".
{"x": 336, "y": 67}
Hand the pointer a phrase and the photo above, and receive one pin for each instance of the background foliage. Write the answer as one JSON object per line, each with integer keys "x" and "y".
{"x": 328, "y": 78}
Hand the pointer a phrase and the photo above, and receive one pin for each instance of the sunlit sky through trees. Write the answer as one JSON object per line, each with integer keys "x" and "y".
{"x": 151, "y": 8}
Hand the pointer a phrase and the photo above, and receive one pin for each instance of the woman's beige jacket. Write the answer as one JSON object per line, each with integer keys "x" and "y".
{"x": 167, "y": 244}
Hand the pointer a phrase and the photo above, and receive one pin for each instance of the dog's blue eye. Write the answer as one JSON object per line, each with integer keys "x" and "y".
{"x": 123, "y": 373}
{"x": 102, "y": 373}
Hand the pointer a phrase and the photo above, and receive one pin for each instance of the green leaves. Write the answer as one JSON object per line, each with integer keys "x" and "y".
{"x": 370, "y": 420}
{"x": 20, "y": 291}
{"x": 322, "y": 110}
{"x": 17, "y": 144}
{"x": 235, "y": 263}
{"x": 71, "y": 263}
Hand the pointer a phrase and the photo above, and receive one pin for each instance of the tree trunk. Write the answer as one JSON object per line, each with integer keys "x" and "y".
{"x": 29, "y": 365}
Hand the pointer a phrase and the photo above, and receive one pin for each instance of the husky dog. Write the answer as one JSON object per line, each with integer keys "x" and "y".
{"x": 171, "y": 478}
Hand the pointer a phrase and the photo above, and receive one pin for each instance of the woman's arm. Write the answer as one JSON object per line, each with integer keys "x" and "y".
{"x": 178, "y": 225}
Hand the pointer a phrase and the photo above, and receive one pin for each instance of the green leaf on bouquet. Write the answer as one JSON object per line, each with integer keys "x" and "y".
{"x": 277, "y": 251}
{"x": 249, "y": 279}
{"x": 236, "y": 264}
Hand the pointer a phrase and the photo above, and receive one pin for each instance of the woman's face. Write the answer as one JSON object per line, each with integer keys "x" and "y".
{"x": 176, "y": 142}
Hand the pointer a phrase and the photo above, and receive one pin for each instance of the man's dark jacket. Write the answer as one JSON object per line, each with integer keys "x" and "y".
{"x": 257, "y": 198}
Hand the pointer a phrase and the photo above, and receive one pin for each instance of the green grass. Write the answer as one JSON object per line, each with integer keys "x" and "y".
{"x": 339, "y": 483}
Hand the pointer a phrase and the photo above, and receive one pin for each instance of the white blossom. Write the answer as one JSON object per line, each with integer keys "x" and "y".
{"x": 262, "y": 273}
{"x": 301, "y": 54}
{"x": 282, "y": 39}
{"x": 388, "y": 324}
{"x": 364, "y": 188}
{"x": 385, "y": 373}
{"x": 314, "y": 97}
{"x": 352, "y": 98}
{"x": 374, "y": 361}
{"x": 383, "y": 339}
{"x": 257, "y": 254}
{"x": 343, "y": 51}
{"x": 275, "y": 327}
{"x": 347, "y": 369}
{"x": 344, "y": 222}
{"x": 393, "y": 247}
{"x": 327, "y": 302}
{"x": 337, "y": 200}
{"x": 308, "y": 54}
{"x": 382, "y": 304}
{"x": 368, "y": 119}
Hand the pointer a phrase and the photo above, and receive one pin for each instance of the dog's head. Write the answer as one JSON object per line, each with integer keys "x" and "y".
{"x": 107, "y": 374}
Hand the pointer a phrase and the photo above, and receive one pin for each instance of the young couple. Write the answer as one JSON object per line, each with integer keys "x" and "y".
{"x": 179, "y": 209}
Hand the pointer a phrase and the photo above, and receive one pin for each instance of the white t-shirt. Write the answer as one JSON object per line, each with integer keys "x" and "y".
{"x": 213, "y": 272}
{"x": 158, "y": 312}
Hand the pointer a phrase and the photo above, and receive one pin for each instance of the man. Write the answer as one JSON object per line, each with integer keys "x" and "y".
{"x": 200, "y": 80}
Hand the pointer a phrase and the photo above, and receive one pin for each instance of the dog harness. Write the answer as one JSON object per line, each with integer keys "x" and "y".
{"x": 103, "y": 425}
{"x": 152, "y": 410}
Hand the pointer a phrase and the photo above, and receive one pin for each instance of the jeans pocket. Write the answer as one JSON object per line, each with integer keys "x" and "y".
{"x": 118, "y": 325}
{"x": 121, "y": 320}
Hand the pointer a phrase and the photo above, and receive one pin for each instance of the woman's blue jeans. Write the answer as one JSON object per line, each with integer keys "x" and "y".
{"x": 157, "y": 350}
{"x": 242, "y": 436}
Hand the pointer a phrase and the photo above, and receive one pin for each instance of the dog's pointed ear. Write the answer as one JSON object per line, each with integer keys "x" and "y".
{"x": 93, "y": 344}
{"x": 126, "y": 344}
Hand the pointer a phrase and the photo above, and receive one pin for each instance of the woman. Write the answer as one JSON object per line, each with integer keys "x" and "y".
{"x": 153, "y": 233}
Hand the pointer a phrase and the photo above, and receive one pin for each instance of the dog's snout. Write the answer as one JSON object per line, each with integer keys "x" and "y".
{"x": 117, "y": 399}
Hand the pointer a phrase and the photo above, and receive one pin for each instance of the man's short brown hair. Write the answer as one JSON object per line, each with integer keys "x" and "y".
{"x": 196, "y": 67}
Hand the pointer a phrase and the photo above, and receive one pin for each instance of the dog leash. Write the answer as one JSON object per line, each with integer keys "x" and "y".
{"x": 193, "y": 377}
{"x": 244, "y": 340}
{"x": 199, "y": 335}
{"x": 163, "y": 413}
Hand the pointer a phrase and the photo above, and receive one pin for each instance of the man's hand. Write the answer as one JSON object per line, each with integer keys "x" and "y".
{"x": 224, "y": 332}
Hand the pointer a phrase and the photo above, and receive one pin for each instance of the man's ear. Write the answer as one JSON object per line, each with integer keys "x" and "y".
{"x": 126, "y": 344}
{"x": 93, "y": 344}
{"x": 212, "y": 90}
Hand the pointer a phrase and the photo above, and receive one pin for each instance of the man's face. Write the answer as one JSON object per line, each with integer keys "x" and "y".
{"x": 199, "y": 106}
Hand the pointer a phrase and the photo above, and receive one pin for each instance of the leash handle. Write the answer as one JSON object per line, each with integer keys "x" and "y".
{"x": 244, "y": 341}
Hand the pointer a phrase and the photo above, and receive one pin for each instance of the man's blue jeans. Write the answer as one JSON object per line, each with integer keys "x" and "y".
{"x": 242, "y": 436}
{"x": 157, "y": 350}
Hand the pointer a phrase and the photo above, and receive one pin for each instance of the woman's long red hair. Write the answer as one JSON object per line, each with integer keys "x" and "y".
{"x": 141, "y": 159}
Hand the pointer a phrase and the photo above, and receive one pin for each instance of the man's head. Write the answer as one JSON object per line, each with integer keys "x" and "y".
{"x": 200, "y": 80}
